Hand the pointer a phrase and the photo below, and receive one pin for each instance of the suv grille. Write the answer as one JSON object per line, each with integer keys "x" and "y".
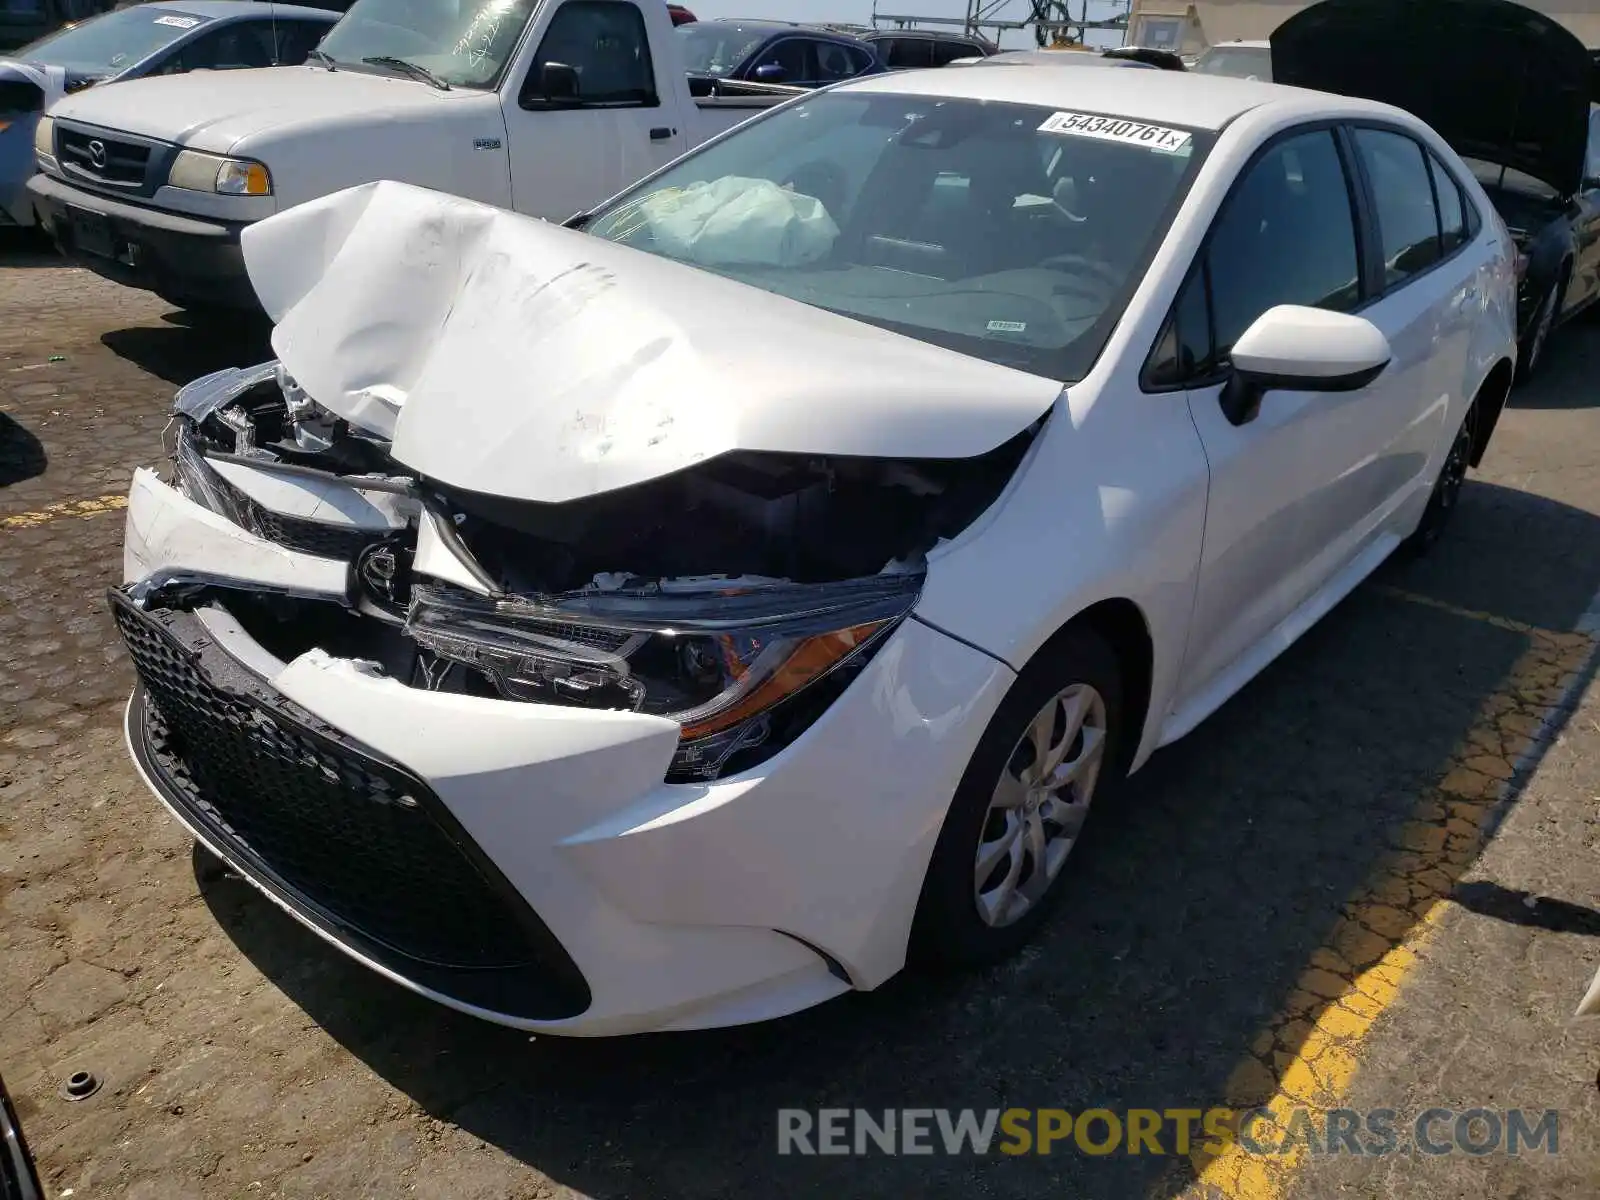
{"x": 114, "y": 162}
{"x": 357, "y": 844}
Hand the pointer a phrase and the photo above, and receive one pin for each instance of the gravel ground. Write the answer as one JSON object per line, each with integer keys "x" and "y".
{"x": 240, "y": 1057}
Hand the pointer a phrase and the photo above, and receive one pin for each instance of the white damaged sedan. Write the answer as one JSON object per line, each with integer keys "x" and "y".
{"x": 686, "y": 617}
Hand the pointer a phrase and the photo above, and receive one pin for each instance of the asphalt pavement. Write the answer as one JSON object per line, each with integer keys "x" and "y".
{"x": 1367, "y": 884}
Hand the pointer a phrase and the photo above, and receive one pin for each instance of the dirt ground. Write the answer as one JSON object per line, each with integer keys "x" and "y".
{"x": 1370, "y": 881}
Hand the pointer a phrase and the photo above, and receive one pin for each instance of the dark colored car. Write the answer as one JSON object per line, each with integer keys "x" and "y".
{"x": 773, "y": 52}
{"x": 680, "y": 15}
{"x": 1122, "y": 56}
{"x": 19, "y": 1177}
{"x": 24, "y": 21}
{"x": 1512, "y": 92}
{"x": 911, "y": 49}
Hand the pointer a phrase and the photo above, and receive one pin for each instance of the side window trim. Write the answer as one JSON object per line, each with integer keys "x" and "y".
{"x": 1469, "y": 210}
{"x": 1355, "y": 191}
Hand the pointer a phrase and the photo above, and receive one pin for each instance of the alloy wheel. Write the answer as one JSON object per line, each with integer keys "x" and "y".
{"x": 1039, "y": 804}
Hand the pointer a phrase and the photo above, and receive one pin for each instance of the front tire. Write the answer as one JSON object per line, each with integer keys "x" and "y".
{"x": 1055, "y": 742}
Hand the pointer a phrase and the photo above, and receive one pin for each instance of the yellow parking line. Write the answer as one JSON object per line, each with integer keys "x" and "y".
{"x": 66, "y": 508}
{"x": 1473, "y": 614}
{"x": 1307, "y": 1055}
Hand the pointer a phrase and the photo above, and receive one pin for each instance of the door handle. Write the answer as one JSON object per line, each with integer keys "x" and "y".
{"x": 661, "y": 133}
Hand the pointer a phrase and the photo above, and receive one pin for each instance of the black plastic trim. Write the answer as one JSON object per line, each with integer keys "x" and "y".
{"x": 551, "y": 989}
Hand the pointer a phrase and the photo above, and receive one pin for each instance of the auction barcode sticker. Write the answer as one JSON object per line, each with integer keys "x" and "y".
{"x": 1115, "y": 129}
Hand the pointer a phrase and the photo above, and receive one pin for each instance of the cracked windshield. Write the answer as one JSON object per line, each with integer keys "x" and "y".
{"x": 465, "y": 43}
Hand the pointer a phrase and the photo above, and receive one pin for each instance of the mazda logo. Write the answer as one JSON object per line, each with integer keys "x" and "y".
{"x": 97, "y": 155}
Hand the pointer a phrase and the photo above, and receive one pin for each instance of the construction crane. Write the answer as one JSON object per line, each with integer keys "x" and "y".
{"x": 1051, "y": 21}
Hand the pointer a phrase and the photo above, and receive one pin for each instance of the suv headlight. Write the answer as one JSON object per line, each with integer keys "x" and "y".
{"x": 44, "y": 137}
{"x": 197, "y": 172}
{"x": 742, "y": 668}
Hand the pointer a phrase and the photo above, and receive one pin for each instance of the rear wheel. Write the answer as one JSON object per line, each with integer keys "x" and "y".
{"x": 1530, "y": 353}
{"x": 1447, "y": 487}
{"x": 1054, "y": 744}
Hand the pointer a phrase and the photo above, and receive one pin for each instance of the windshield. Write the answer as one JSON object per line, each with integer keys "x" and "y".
{"x": 1009, "y": 232}
{"x": 712, "y": 48}
{"x": 464, "y": 42}
{"x": 113, "y": 41}
{"x": 1242, "y": 62}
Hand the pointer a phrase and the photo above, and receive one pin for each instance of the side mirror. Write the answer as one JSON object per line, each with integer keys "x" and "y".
{"x": 559, "y": 83}
{"x": 771, "y": 72}
{"x": 1302, "y": 349}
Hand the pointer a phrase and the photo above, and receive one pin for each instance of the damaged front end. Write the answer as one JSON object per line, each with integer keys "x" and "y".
{"x": 736, "y": 598}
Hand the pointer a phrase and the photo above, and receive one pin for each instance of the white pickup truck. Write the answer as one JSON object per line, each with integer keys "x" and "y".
{"x": 546, "y": 107}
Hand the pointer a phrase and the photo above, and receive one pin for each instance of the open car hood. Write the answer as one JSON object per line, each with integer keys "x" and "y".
{"x": 512, "y": 357}
{"x": 1498, "y": 81}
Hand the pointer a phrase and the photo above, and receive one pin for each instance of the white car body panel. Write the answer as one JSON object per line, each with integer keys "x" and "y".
{"x": 320, "y": 131}
{"x": 643, "y": 366}
{"x": 756, "y": 894}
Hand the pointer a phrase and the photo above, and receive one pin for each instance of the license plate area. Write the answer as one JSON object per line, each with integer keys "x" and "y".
{"x": 91, "y": 233}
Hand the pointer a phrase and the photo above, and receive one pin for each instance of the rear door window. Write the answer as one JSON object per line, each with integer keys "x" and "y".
{"x": 945, "y": 52}
{"x": 905, "y": 54}
{"x": 1452, "y": 207}
{"x": 1402, "y": 194}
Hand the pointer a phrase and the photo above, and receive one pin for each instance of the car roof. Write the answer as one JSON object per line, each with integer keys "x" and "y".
{"x": 1181, "y": 97}
{"x": 1240, "y": 45}
{"x": 218, "y": 10}
{"x": 1058, "y": 58}
{"x": 766, "y": 25}
{"x": 951, "y": 35}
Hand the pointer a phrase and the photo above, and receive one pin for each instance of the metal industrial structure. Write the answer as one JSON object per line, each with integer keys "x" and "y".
{"x": 1051, "y": 21}
{"x": 1189, "y": 26}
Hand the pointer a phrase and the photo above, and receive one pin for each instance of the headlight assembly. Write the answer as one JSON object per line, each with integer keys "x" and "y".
{"x": 197, "y": 172}
{"x": 44, "y": 137}
{"x": 739, "y": 668}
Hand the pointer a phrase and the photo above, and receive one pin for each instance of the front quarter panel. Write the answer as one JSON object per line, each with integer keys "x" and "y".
{"x": 1110, "y": 504}
{"x": 455, "y": 146}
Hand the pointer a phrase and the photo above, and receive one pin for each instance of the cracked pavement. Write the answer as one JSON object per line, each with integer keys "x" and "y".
{"x": 1320, "y": 897}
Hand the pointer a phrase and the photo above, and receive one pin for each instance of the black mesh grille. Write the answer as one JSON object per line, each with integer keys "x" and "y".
{"x": 320, "y": 538}
{"x": 350, "y": 838}
{"x": 308, "y": 537}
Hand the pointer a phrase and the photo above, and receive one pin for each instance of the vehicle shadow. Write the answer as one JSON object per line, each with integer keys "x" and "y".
{"x": 22, "y": 454}
{"x": 27, "y": 248}
{"x": 1191, "y": 909}
{"x": 187, "y": 345}
{"x": 1571, "y": 354}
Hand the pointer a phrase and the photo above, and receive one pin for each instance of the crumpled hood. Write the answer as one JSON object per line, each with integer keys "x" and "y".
{"x": 215, "y": 110}
{"x": 509, "y": 356}
{"x": 1498, "y": 81}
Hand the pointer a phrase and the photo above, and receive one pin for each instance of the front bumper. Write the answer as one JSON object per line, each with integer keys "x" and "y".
{"x": 188, "y": 261}
{"x": 526, "y": 863}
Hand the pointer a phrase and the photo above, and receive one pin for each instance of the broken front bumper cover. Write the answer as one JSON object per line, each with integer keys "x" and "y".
{"x": 527, "y": 862}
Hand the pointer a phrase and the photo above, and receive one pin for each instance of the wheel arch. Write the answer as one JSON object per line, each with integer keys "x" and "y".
{"x": 1124, "y": 627}
{"x": 1490, "y": 402}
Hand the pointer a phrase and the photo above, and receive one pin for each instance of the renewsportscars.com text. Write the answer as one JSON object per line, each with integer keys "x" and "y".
{"x": 1180, "y": 1131}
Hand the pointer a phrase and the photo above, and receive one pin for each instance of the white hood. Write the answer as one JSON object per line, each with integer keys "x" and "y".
{"x": 512, "y": 357}
{"x": 215, "y": 110}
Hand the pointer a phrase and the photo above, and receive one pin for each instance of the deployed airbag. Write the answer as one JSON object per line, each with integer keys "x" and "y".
{"x": 734, "y": 221}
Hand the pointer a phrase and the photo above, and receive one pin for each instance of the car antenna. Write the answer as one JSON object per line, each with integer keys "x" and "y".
{"x": 273, "y": 4}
